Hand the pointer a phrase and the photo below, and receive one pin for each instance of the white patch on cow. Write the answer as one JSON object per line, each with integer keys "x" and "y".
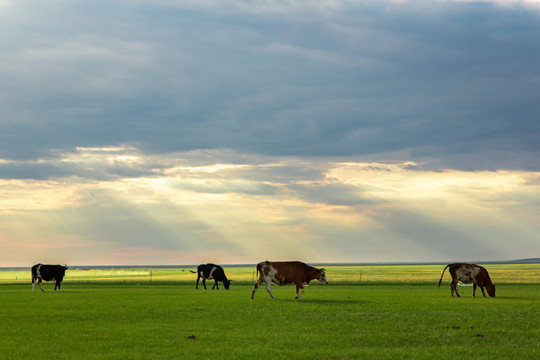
{"x": 467, "y": 275}
{"x": 38, "y": 274}
{"x": 462, "y": 274}
{"x": 210, "y": 275}
{"x": 271, "y": 277}
{"x": 323, "y": 279}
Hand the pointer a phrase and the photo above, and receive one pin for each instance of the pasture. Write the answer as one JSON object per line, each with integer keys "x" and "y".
{"x": 103, "y": 314}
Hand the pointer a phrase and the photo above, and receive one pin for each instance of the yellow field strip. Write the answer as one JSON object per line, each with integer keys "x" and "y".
{"x": 500, "y": 273}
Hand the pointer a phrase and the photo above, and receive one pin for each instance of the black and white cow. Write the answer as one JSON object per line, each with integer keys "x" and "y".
{"x": 48, "y": 273}
{"x": 211, "y": 272}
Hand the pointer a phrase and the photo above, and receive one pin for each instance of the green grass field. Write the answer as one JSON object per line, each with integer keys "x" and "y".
{"x": 123, "y": 316}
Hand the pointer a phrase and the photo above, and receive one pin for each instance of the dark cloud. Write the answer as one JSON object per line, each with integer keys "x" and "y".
{"x": 43, "y": 171}
{"x": 455, "y": 83}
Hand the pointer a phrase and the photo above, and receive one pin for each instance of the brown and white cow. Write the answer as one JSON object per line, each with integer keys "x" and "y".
{"x": 469, "y": 273}
{"x": 288, "y": 272}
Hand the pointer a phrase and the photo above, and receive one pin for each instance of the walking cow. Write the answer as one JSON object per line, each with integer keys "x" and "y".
{"x": 48, "y": 273}
{"x": 288, "y": 272}
{"x": 469, "y": 273}
{"x": 211, "y": 272}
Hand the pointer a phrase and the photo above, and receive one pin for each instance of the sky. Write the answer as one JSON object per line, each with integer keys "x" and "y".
{"x": 167, "y": 132}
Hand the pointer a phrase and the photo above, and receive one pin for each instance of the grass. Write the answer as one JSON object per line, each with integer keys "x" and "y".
{"x": 344, "y": 320}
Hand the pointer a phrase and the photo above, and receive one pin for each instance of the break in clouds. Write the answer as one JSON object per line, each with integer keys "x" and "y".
{"x": 185, "y": 210}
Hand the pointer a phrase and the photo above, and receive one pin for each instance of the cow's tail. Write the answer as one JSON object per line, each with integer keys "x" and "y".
{"x": 193, "y": 271}
{"x": 35, "y": 272}
{"x": 443, "y": 274}
{"x": 259, "y": 271}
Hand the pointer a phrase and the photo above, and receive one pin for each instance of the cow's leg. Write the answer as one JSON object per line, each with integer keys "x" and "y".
{"x": 257, "y": 284}
{"x": 474, "y": 289}
{"x": 204, "y": 283}
{"x": 197, "y": 285}
{"x": 215, "y": 285}
{"x": 33, "y": 284}
{"x": 301, "y": 292}
{"x": 483, "y": 293}
{"x": 453, "y": 286}
{"x": 57, "y": 284}
{"x": 269, "y": 289}
{"x": 39, "y": 283}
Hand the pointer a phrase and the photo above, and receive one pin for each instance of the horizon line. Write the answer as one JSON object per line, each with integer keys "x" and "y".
{"x": 381, "y": 263}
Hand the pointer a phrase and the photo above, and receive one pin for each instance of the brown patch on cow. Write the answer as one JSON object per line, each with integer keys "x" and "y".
{"x": 469, "y": 273}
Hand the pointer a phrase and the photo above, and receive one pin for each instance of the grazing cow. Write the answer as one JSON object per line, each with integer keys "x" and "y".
{"x": 469, "y": 273}
{"x": 211, "y": 272}
{"x": 48, "y": 273}
{"x": 283, "y": 273}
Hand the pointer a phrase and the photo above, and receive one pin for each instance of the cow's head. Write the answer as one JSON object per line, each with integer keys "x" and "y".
{"x": 322, "y": 276}
{"x": 491, "y": 290}
{"x": 227, "y": 283}
{"x": 63, "y": 270}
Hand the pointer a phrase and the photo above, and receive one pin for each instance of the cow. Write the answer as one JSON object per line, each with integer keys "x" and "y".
{"x": 211, "y": 272}
{"x": 469, "y": 273}
{"x": 48, "y": 273}
{"x": 288, "y": 272}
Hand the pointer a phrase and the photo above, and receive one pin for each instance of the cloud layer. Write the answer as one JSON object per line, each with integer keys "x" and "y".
{"x": 187, "y": 131}
{"x": 454, "y": 82}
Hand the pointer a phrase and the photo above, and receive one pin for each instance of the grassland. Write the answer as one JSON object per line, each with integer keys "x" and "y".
{"x": 110, "y": 315}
